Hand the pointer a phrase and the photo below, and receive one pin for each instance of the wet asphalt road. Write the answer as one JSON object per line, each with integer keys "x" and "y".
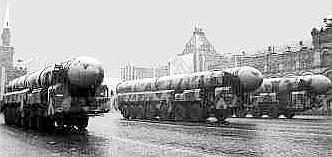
{"x": 111, "y": 135}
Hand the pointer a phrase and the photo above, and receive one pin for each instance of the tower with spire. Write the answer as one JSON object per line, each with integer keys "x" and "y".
{"x": 8, "y": 71}
{"x": 6, "y": 49}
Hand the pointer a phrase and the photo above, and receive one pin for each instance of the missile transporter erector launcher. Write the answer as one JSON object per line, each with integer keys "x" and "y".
{"x": 187, "y": 97}
{"x": 63, "y": 95}
{"x": 286, "y": 96}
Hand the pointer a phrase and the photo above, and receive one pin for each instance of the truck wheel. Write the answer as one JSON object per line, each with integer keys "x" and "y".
{"x": 275, "y": 113}
{"x": 221, "y": 114}
{"x": 256, "y": 112}
{"x": 180, "y": 112}
{"x": 6, "y": 115}
{"x": 29, "y": 119}
{"x": 11, "y": 115}
{"x": 25, "y": 118}
{"x": 240, "y": 113}
{"x": 21, "y": 122}
{"x": 290, "y": 114}
{"x": 131, "y": 112}
{"x": 195, "y": 112}
{"x": 126, "y": 113}
{"x": 18, "y": 119}
{"x": 83, "y": 122}
{"x": 140, "y": 112}
{"x": 34, "y": 120}
{"x": 50, "y": 122}
{"x": 163, "y": 114}
{"x": 42, "y": 124}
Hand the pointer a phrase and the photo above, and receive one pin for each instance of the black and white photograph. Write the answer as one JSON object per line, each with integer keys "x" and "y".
{"x": 165, "y": 78}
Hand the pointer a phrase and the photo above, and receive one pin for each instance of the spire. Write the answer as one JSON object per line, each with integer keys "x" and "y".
{"x": 7, "y": 20}
{"x": 6, "y": 35}
{"x": 199, "y": 43}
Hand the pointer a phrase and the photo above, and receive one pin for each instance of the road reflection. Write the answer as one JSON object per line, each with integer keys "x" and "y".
{"x": 113, "y": 136}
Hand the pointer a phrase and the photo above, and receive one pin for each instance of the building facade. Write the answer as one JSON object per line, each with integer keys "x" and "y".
{"x": 131, "y": 72}
{"x": 322, "y": 42}
{"x": 294, "y": 60}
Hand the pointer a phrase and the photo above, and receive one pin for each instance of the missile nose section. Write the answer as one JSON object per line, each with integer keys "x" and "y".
{"x": 318, "y": 83}
{"x": 250, "y": 78}
{"x": 85, "y": 71}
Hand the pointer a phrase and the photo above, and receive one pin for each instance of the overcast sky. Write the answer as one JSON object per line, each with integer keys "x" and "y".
{"x": 148, "y": 32}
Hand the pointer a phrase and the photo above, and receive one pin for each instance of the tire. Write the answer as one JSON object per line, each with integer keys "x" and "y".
{"x": 42, "y": 124}
{"x": 240, "y": 113}
{"x": 50, "y": 124}
{"x": 131, "y": 112}
{"x": 220, "y": 115}
{"x": 256, "y": 113}
{"x": 195, "y": 112}
{"x": 6, "y": 116}
{"x": 17, "y": 118}
{"x": 29, "y": 119}
{"x": 126, "y": 113}
{"x": 163, "y": 114}
{"x": 25, "y": 119}
{"x": 180, "y": 112}
{"x": 140, "y": 112}
{"x": 83, "y": 122}
{"x": 11, "y": 115}
{"x": 33, "y": 120}
{"x": 274, "y": 113}
{"x": 290, "y": 114}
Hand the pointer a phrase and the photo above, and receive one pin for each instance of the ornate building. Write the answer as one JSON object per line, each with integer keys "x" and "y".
{"x": 7, "y": 67}
{"x": 281, "y": 61}
{"x": 292, "y": 59}
{"x": 198, "y": 55}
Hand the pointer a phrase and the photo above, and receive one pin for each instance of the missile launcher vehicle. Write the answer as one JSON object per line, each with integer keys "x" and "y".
{"x": 187, "y": 97}
{"x": 286, "y": 96}
{"x": 65, "y": 94}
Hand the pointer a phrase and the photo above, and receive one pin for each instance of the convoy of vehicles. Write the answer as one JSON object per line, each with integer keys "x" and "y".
{"x": 68, "y": 93}
{"x": 286, "y": 96}
{"x": 187, "y": 97}
{"x": 61, "y": 95}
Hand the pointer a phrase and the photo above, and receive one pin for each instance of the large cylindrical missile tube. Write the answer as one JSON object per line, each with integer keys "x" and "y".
{"x": 247, "y": 78}
{"x": 310, "y": 83}
{"x": 176, "y": 82}
{"x": 80, "y": 71}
